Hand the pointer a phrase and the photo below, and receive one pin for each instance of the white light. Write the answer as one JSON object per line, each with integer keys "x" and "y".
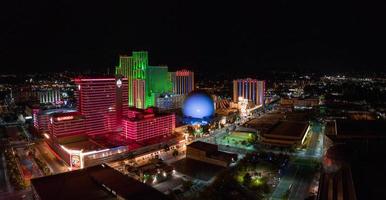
{"x": 46, "y": 136}
{"x": 119, "y": 83}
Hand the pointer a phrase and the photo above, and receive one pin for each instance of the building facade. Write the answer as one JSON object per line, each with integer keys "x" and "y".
{"x": 133, "y": 68}
{"x": 169, "y": 102}
{"x": 145, "y": 124}
{"x": 251, "y": 89}
{"x": 66, "y": 124}
{"x": 136, "y": 69}
{"x": 183, "y": 82}
{"x": 100, "y": 101}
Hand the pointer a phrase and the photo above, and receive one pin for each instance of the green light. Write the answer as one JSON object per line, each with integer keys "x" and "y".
{"x": 157, "y": 78}
{"x": 132, "y": 67}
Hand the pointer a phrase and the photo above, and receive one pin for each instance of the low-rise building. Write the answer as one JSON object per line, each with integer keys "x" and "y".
{"x": 286, "y": 133}
{"x": 98, "y": 182}
{"x": 209, "y": 153}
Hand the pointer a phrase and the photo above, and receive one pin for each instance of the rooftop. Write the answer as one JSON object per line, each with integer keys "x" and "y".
{"x": 288, "y": 130}
{"x": 97, "y": 182}
{"x": 212, "y": 151}
{"x": 207, "y": 147}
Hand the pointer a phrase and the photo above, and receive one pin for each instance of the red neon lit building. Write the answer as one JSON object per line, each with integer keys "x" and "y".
{"x": 145, "y": 124}
{"x": 66, "y": 124}
{"x": 101, "y": 101}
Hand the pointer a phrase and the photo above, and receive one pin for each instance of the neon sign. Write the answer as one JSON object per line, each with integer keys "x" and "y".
{"x": 64, "y": 118}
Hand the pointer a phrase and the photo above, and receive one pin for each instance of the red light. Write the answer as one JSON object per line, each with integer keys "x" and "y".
{"x": 64, "y": 118}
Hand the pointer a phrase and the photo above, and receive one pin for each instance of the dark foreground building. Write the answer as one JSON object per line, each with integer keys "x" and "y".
{"x": 354, "y": 167}
{"x": 97, "y": 182}
{"x": 209, "y": 153}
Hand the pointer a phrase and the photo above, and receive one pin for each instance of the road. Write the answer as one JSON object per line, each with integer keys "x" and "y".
{"x": 299, "y": 174}
{"x": 55, "y": 165}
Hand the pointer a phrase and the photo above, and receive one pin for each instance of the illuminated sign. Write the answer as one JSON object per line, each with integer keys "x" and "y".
{"x": 183, "y": 73}
{"x": 75, "y": 161}
{"x": 64, "y": 118}
{"x": 119, "y": 83}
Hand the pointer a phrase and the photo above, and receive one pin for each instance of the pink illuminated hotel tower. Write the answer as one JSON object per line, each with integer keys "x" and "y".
{"x": 103, "y": 128}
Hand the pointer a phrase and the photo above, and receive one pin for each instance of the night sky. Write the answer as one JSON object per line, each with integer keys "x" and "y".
{"x": 272, "y": 35}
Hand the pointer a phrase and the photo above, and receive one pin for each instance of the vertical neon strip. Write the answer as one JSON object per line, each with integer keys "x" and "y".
{"x": 239, "y": 84}
{"x": 254, "y": 92}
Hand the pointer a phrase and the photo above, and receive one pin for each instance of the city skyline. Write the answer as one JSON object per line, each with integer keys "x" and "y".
{"x": 278, "y": 100}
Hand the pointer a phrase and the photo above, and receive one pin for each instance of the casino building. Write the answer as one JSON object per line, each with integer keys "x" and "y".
{"x": 103, "y": 128}
{"x": 251, "y": 89}
{"x": 183, "y": 82}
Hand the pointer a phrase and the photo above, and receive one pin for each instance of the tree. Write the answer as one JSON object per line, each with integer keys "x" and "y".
{"x": 190, "y": 130}
{"x": 247, "y": 179}
{"x": 187, "y": 184}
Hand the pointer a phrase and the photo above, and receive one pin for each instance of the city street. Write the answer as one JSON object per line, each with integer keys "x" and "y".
{"x": 298, "y": 176}
{"x": 55, "y": 165}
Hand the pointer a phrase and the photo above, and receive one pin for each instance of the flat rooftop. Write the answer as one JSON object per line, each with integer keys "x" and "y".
{"x": 288, "y": 130}
{"x": 108, "y": 141}
{"x": 212, "y": 151}
{"x": 269, "y": 120}
{"x": 207, "y": 147}
{"x": 97, "y": 182}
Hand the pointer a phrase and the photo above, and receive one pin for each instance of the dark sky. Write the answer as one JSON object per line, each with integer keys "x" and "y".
{"x": 290, "y": 35}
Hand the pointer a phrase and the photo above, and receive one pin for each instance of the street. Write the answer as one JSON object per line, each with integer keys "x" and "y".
{"x": 298, "y": 176}
{"x": 55, "y": 165}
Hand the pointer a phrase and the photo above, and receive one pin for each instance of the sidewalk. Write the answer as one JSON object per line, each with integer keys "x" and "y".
{"x": 4, "y": 168}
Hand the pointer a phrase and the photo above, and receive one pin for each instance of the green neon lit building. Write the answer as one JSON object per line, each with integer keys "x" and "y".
{"x": 133, "y": 67}
{"x": 158, "y": 81}
{"x": 136, "y": 67}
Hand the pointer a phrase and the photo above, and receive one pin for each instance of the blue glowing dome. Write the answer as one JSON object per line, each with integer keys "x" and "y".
{"x": 198, "y": 105}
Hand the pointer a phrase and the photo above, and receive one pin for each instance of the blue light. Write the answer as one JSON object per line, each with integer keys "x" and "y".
{"x": 198, "y": 105}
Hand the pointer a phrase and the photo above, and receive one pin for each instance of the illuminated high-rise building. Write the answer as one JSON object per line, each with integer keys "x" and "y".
{"x": 155, "y": 79}
{"x": 133, "y": 67}
{"x": 101, "y": 101}
{"x": 251, "y": 89}
{"x": 158, "y": 82}
{"x": 183, "y": 82}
